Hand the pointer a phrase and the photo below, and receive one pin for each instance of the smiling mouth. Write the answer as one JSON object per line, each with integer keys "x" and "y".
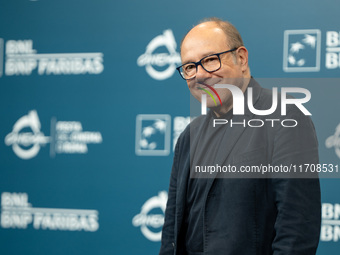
{"x": 204, "y": 86}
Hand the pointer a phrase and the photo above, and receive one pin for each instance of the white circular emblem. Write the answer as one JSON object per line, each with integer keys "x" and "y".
{"x": 21, "y": 141}
{"x": 145, "y": 220}
{"x": 150, "y": 59}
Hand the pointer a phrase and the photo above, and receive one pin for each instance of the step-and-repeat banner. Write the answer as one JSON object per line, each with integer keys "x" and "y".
{"x": 91, "y": 107}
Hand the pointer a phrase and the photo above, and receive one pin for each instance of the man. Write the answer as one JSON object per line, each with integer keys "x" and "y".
{"x": 220, "y": 214}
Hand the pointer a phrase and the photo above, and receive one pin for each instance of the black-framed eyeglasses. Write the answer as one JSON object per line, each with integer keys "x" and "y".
{"x": 209, "y": 63}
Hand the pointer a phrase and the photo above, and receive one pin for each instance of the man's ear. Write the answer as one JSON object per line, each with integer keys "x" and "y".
{"x": 242, "y": 57}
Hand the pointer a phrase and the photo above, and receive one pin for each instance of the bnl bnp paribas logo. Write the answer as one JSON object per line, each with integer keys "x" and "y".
{"x": 19, "y": 58}
{"x": 18, "y": 213}
{"x": 330, "y": 229}
{"x": 67, "y": 137}
{"x": 161, "y": 57}
{"x": 303, "y": 53}
{"x": 153, "y": 133}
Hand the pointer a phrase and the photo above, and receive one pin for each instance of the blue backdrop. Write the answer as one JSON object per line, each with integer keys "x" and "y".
{"x": 91, "y": 107}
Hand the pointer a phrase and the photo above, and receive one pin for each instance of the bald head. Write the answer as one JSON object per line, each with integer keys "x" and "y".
{"x": 233, "y": 37}
{"x": 213, "y": 53}
{"x": 213, "y": 36}
{"x": 207, "y": 37}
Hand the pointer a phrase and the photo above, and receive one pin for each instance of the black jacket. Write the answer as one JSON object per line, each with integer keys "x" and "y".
{"x": 244, "y": 216}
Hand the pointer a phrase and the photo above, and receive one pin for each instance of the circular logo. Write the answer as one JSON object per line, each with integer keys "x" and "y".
{"x": 147, "y": 221}
{"x": 150, "y": 59}
{"x": 26, "y": 145}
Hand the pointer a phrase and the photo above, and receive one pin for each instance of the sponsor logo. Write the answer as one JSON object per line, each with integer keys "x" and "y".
{"x": 22, "y": 59}
{"x": 332, "y": 50}
{"x": 17, "y": 213}
{"x": 151, "y": 217}
{"x": 153, "y": 134}
{"x": 302, "y": 49}
{"x": 68, "y": 137}
{"x": 330, "y": 229}
{"x": 160, "y": 66}
{"x": 334, "y": 141}
{"x": 180, "y": 123}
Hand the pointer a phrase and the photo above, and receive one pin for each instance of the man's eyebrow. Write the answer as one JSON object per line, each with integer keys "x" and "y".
{"x": 205, "y": 55}
{"x": 187, "y": 62}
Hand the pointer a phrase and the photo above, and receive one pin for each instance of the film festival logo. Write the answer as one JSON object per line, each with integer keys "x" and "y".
{"x": 66, "y": 137}
{"x": 334, "y": 141}
{"x": 22, "y": 59}
{"x": 158, "y": 64}
{"x": 151, "y": 217}
{"x": 239, "y": 103}
{"x": 18, "y": 213}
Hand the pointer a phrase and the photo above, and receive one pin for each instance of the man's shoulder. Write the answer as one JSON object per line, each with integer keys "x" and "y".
{"x": 195, "y": 123}
{"x": 191, "y": 128}
{"x": 264, "y": 96}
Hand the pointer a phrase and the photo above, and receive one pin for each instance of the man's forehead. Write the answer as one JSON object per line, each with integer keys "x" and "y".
{"x": 203, "y": 40}
{"x": 204, "y": 31}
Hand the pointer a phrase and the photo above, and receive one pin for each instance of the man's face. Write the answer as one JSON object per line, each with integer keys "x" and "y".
{"x": 206, "y": 39}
